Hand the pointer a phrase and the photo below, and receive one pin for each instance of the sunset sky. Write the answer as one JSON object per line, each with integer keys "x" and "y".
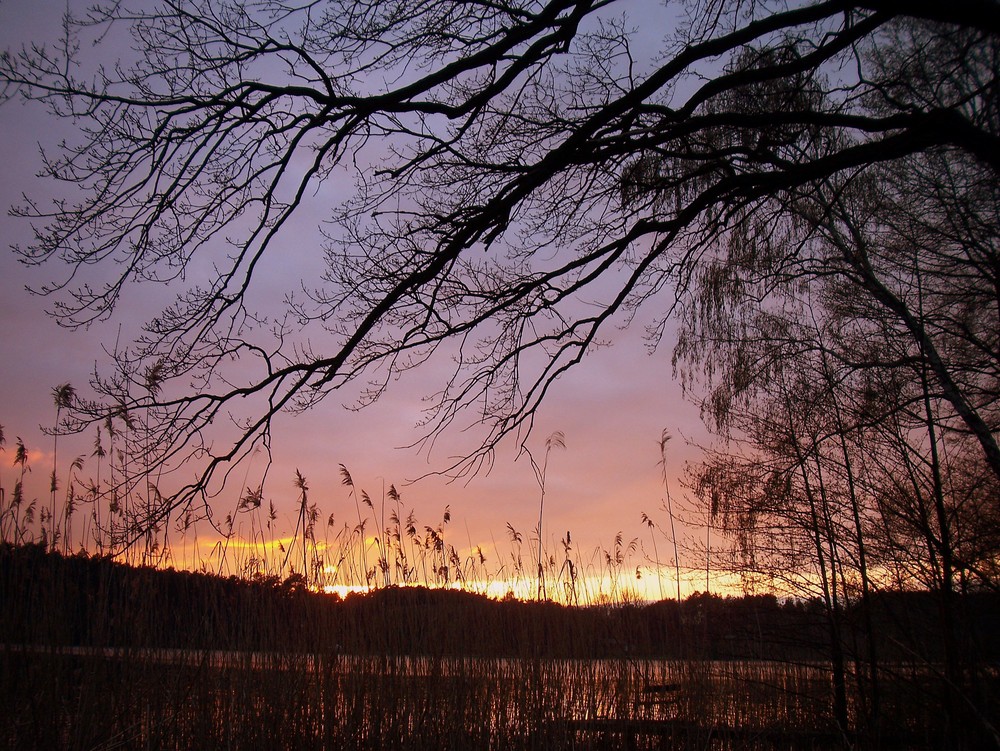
{"x": 612, "y": 408}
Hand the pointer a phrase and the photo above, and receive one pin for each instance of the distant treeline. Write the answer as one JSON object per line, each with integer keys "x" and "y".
{"x": 50, "y": 599}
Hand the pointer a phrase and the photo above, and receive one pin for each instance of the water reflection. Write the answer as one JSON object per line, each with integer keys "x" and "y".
{"x": 189, "y": 698}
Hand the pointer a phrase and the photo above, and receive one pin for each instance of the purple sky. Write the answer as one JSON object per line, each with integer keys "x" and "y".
{"x": 612, "y": 408}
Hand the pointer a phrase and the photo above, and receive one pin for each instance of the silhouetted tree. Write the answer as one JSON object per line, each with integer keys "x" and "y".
{"x": 851, "y": 348}
{"x": 524, "y": 182}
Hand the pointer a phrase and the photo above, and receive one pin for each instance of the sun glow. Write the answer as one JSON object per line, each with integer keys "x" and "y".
{"x": 588, "y": 590}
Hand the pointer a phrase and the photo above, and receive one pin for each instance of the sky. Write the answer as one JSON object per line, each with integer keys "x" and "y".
{"x": 612, "y": 409}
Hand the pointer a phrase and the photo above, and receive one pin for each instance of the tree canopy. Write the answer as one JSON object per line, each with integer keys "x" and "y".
{"x": 523, "y": 178}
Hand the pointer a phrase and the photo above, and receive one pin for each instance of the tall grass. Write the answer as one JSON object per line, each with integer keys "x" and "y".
{"x": 265, "y": 661}
{"x": 381, "y": 543}
{"x": 137, "y": 699}
{"x": 100, "y": 655}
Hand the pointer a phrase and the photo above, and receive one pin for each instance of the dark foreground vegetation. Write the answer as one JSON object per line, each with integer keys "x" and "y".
{"x": 101, "y": 655}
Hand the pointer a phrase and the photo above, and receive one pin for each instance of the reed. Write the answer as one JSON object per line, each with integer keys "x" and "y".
{"x": 97, "y": 654}
{"x": 386, "y": 546}
{"x": 251, "y": 653}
